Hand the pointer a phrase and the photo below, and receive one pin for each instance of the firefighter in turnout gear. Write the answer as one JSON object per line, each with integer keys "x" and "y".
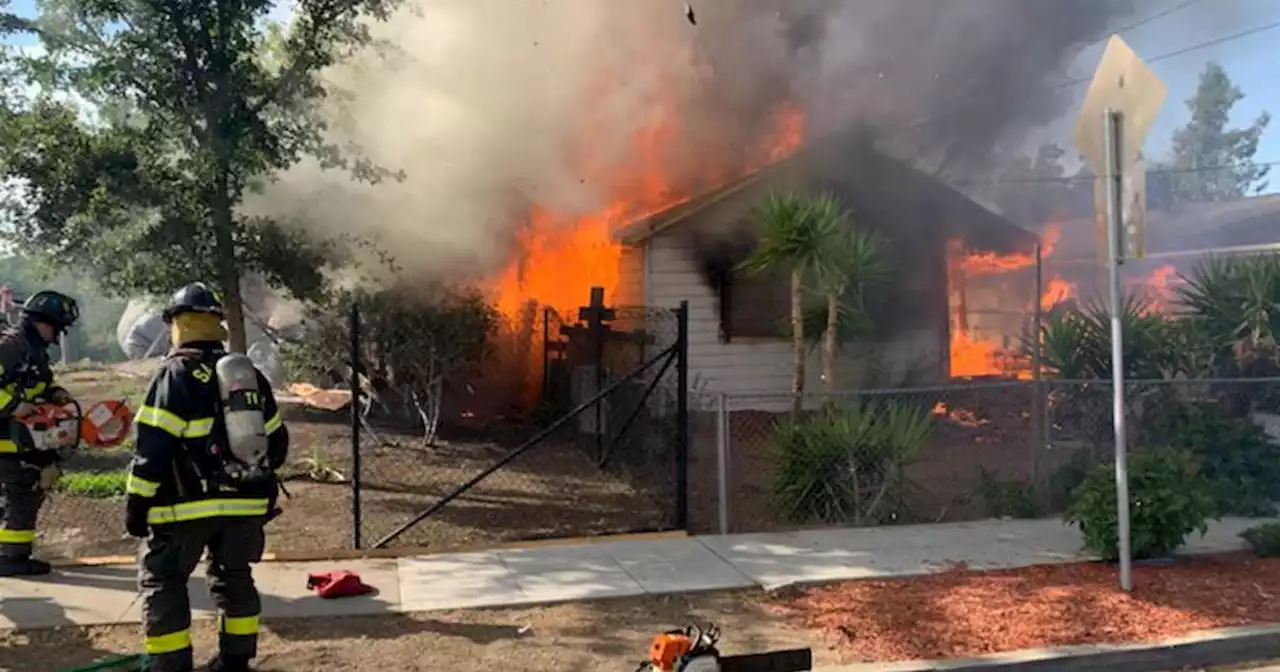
{"x": 208, "y": 441}
{"x": 25, "y": 472}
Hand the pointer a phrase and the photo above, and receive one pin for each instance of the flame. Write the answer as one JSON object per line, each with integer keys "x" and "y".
{"x": 1159, "y": 287}
{"x": 1057, "y": 291}
{"x": 969, "y": 354}
{"x": 960, "y": 416}
{"x": 989, "y": 263}
{"x": 559, "y": 258}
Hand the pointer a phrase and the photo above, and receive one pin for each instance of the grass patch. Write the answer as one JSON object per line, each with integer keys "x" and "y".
{"x": 93, "y": 484}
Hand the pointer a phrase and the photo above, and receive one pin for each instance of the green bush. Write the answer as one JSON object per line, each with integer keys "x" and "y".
{"x": 846, "y": 466}
{"x": 1006, "y": 498}
{"x": 93, "y": 484}
{"x": 1169, "y": 500}
{"x": 1264, "y": 539}
{"x": 1235, "y": 454}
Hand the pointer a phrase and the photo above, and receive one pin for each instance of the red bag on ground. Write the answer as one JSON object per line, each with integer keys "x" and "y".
{"x": 342, "y": 583}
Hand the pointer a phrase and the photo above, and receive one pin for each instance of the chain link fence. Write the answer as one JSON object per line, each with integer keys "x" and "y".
{"x": 594, "y": 451}
{"x": 955, "y": 452}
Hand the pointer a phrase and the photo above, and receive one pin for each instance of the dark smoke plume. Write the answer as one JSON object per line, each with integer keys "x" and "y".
{"x": 493, "y": 102}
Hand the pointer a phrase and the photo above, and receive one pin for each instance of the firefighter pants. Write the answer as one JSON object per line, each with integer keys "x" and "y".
{"x": 20, "y": 500}
{"x": 167, "y": 560}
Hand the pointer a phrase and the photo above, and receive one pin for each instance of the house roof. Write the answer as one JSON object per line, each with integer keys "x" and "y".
{"x": 874, "y": 186}
{"x": 1243, "y": 222}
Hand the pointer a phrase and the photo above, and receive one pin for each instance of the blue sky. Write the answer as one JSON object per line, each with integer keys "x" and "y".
{"x": 1249, "y": 61}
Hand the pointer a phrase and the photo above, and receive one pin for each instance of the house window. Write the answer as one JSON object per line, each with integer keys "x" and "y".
{"x": 755, "y": 305}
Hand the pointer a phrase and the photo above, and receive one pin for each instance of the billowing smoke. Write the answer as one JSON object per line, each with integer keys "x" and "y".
{"x": 490, "y": 106}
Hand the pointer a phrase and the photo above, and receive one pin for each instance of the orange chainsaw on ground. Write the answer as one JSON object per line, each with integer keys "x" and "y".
{"x": 693, "y": 649}
{"x": 105, "y": 424}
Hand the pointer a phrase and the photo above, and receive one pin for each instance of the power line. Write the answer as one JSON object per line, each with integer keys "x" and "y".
{"x": 1156, "y": 17}
{"x": 1088, "y": 179}
{"x": 1185, "y": 50}
{"x": 1160, "y": 57}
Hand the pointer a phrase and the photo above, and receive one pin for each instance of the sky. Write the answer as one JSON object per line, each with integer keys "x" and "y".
{"x": 1248, "y": 61}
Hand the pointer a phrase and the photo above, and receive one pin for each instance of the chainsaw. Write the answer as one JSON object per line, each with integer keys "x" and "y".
{"x": 64, "y": 427}
{"x": 694, "y": 649}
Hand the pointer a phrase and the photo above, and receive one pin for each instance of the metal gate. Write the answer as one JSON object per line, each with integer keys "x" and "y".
{"x": 609, "y": 456}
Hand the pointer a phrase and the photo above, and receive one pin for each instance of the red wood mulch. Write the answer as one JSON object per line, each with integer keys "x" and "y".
{"x": 961, "y": 612}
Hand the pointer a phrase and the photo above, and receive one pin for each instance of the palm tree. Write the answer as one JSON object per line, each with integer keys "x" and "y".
{"x": 852, "y": 263}
{"x": 810, "y": 237}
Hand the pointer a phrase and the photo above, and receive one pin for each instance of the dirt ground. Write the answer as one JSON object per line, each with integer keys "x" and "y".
{"x": 552, "y": 491}
{"x": 977, "y": 428}
{"x": 609, "y": 636}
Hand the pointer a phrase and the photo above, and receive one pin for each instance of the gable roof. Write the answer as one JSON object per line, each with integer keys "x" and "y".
{"x": 873, "y": 185}
{"x": 1239, "y": 223}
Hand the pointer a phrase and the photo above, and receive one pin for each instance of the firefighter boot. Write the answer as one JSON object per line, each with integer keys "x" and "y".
{"x": 23, "y": 566}
{"x": 222, "y": 663}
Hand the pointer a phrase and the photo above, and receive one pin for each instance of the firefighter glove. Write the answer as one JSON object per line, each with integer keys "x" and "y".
{"x": 135, "y": 517}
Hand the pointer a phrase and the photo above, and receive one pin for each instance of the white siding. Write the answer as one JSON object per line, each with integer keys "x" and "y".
{"x": 757, "y": 366}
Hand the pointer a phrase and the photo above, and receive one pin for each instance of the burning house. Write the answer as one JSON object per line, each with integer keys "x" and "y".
{"x": 738, "y": 339}
{"x": 1242, "y": 223}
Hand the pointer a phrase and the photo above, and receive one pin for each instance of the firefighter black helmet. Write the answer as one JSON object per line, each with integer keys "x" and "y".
{"x": 196, "y": 297}
{"x": 55, "y": 308}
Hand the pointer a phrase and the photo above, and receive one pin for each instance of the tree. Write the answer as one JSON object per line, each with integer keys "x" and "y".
{"x": 186, "y": 114}
{"x": 94, "y": 336}
{"x": 1032, "y": 190}
{"x": 418, "y": 342}
{"x": 1210, "y": 162}
{"x": 852, "y": 263}
{"x": 801, "y": 235}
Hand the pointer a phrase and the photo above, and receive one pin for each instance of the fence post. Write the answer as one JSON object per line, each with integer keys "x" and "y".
{"x": 355, "y": 425}
{"x": 722, "y": 459}
{"x": 682, "y": 416}
{"x": 546, "y": 355}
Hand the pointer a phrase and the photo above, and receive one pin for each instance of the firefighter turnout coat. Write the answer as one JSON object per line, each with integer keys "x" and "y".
{"x": 174, "y": 468}
{"x": 24, "y": 376}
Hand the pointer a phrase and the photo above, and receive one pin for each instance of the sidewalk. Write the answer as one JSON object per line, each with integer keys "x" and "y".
{"x": 106, "y": 595}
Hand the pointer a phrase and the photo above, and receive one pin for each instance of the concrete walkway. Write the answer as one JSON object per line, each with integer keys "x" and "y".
{"x": 104, "y": 595}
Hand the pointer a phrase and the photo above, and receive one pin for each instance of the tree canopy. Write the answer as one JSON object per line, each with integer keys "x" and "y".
{"x": 145, "y": 124}
{"x": 1212, "y": 162}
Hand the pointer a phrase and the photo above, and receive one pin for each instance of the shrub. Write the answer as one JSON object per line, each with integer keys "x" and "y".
{"x": 1264, "y": 539}
{"x": 844, "y": 466}
{"x": 1169, "y": 500}
{"x": 1235, "y": 454}
{"x": 416, "y": 342}
{"x": 93, "y": 484}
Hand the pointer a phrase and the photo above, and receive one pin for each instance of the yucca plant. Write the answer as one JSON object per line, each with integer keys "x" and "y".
{"x": 1235, "y": 304}
{"x": 796, "y": 236}
{"x": 1076, "y": 343}
{"x": 844, "y": 466}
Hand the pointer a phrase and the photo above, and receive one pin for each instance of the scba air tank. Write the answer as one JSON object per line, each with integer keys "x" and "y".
{"x": 242, "y": 409}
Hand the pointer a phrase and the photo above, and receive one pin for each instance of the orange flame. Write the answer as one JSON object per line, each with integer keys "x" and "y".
{"x": 973, "y": 356}
{"x": 559, "y": 258}
{"x": 1160, "y": 287}
{"x": 1059, "y": 290}
{"x": 988, "y": 263}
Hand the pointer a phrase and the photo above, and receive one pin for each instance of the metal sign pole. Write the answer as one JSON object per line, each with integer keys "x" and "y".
{"x": 1115, "y": 190}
